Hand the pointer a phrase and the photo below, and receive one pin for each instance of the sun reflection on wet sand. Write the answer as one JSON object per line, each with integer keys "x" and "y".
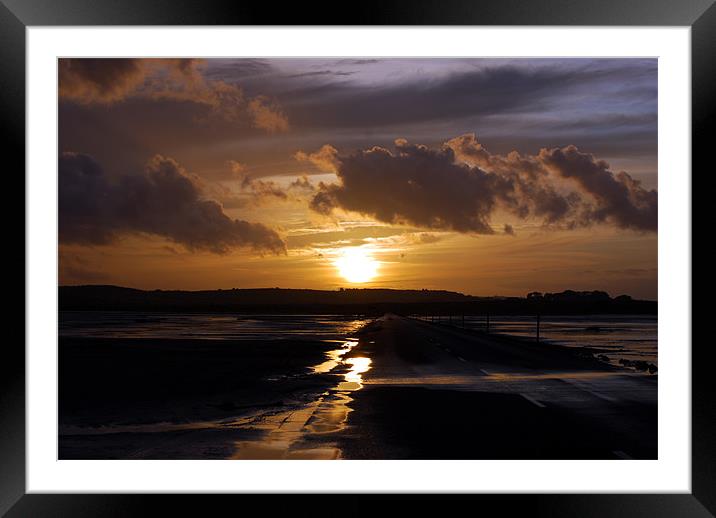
{"x": 354, "y": 378}
{"x": 329, "y": 413}
{"x": 334, "y": 357}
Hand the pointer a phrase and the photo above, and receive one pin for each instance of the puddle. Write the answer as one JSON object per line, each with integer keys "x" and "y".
{"x": 288, "y": 431}
{"x": 284, "y": 430}
{"x": 353, "y": 378}
{"x": 334, "y": 357}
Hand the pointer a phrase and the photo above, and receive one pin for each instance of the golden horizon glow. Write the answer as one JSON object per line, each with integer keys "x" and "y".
{"x": 356, "y": 265}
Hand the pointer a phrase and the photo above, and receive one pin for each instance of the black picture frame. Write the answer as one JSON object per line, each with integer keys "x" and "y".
{"x": 17, "y": 15}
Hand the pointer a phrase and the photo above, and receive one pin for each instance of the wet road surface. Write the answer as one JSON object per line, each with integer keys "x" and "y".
{"x": 441, "y": 392}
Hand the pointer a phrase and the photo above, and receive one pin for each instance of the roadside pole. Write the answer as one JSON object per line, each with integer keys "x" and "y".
{"x": 538, "y": 321}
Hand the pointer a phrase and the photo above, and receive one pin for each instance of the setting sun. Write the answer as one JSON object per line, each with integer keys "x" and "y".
{"x": 356, "y": 265}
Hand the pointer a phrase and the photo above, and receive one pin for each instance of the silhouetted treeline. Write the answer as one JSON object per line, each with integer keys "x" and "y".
{"x": 346, "y": 301}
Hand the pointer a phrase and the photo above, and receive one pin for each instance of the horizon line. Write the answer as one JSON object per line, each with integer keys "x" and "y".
{"x": 343, "y": 288}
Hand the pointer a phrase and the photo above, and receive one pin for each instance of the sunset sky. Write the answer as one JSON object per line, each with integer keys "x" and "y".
{"x": 483, "y": 176}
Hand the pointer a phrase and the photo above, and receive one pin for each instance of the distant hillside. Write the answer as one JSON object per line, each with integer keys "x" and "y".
{"x": 260, "y": 296}
{"x": 365, "y": 301}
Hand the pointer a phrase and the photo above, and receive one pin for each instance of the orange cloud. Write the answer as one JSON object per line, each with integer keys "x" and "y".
{"x": 325, "y": 159}
{"x": 266, "y": 115}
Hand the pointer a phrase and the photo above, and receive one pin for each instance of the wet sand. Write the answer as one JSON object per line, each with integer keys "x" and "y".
{"x": 158, "y": 398}
{"x": 398, "y": 389}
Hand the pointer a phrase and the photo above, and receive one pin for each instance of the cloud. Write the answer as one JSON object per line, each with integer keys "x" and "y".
{"x": 262, "y": 189}
{"x": 426, "y": 237}
{"x": 416, "y": 185}
{"x": 267, "y": 190}
{"x": 325, "y": 159}
{"x": 107, "y": 81}
{"x": 90, "y": 81}
{"x": 326, "y": 236}
{"x": 534, "y": 192}
{"x": 164, "y": 200}
{"x": 480, "y": 88}
{"x": 253, "y": 190}
{"x": 460, "y": 186}
{"x": 597, "y": 196}
{"x": 420, "y": 238}
{"x": 239, "y": 68}
{"x": 267, "y": 115}
{"x": 619, "y": 198}
{"x": 358, "y": 61}
{"x": 236, "y": 169}
{"x": 302, "y": 184}
{"x": 316, "y": 73}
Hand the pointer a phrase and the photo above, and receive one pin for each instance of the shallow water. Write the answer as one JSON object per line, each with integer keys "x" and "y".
{"x": 294, "y": 432}
{"x": 288, "y": 431}
{"x": 616, "y": 337}
{"x": 302, "y": 431}
{"x": 282, "y": 432}
{"x": 205, "y": 326}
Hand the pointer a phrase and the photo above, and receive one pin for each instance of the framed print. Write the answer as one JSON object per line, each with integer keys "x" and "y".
{"x": 407, "y": 251}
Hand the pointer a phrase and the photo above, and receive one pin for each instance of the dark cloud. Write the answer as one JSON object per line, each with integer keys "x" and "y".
{"x": 605, "y": 106}
{"x": 110, "y": 80}
{"x": 238, "y": 69}
{"x": 619, "y": 198}
{"x": 262, "y": 189}
{"x": 600, "y": 195}
{"x": 164, "y": 200}
{"x": 499, "y": 89}
{"x": 533, "y": 192}
{"x": 315, "y": 73}
{"x": 416, "y": 185}
{"x": 460, "y": 185}
{"x": 99, "y": 80}
{"x": 358, "y": 61}
{"x": 267, "y": 190}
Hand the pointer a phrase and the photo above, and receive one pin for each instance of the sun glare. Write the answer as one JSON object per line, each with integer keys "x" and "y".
{"x": 356, "y": 265}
